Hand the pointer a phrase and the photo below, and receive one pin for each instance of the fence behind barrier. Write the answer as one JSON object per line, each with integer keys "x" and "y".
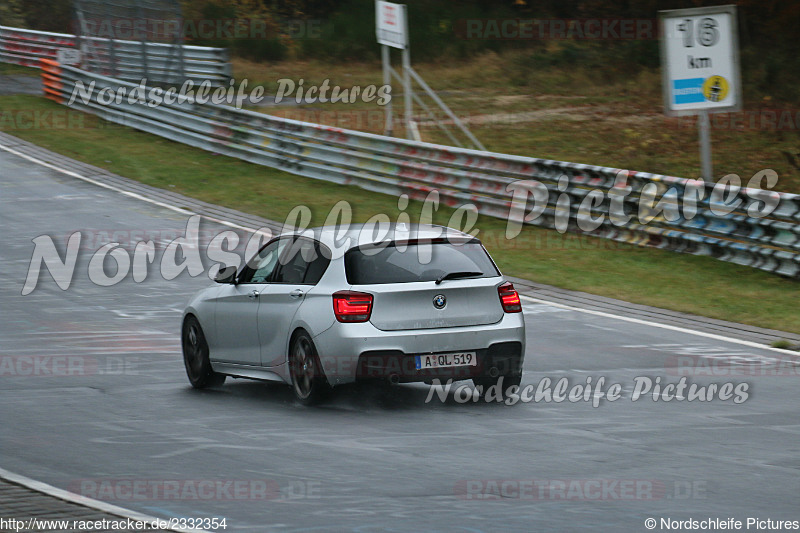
{"x": 27, "y": 47}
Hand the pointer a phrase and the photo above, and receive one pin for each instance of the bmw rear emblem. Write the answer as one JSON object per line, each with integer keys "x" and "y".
{"x": 439, "y": 301}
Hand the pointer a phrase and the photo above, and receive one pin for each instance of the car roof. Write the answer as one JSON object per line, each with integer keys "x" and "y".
{"x": 334, "y": 236}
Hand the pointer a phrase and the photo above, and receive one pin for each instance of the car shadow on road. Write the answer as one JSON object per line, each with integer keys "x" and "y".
{"x": 365, "y": 396}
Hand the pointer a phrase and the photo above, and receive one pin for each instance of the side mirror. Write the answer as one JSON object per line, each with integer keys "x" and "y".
{"x": 226, "y": 275}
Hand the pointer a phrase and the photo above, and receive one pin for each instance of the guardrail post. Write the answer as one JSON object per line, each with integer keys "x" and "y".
{"x": 387, "y": 80}
{"x": 143, "y": 47}
{"x": 704, "y": 130}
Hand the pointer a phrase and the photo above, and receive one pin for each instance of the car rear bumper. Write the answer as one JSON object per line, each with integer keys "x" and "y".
{"x": 502, "y": 358}
{"x": 350, "y": 352}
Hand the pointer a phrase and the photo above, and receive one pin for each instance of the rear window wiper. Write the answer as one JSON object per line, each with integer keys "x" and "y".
{"x": 457, "y": 275}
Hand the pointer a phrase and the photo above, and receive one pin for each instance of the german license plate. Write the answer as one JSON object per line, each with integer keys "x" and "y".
{"x": 444, "y": 360}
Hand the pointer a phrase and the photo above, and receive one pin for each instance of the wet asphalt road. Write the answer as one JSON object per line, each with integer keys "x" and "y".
{"x": 127, "y": 428}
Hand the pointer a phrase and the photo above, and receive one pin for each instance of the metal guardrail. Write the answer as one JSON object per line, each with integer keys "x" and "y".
{"x": 27, "y": 47}
{"x": 484, "y": 179}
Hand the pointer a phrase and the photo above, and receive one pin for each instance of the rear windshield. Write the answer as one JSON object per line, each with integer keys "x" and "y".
{"x": 417, "y": 262}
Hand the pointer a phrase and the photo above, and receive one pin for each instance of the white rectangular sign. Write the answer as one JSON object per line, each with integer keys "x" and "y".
{"x": 700, "y": 60}
{"x": 68, "y": 56}
{"x": 390, "y": 24}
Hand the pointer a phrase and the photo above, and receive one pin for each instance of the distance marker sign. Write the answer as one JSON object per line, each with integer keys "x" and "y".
{"x": 700, "y": 60}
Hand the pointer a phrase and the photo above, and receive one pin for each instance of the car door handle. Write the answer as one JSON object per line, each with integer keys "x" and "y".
{"x": 253, "y": 294}
{"x": 297, "y": 293}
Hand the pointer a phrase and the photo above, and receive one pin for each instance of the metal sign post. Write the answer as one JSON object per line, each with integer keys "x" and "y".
{"x": 387, "y": 80}
{"x": 700, "y": 68}
{"x": 391, "y": 29}
{"x": 407, "y": 92}
{"x": 704, "y": 133}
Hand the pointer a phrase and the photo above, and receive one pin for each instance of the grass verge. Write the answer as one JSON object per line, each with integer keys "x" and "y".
{"x": 698, "y": 285}
{"x": 569, "y": 114}
{"x": 11, "y": 69}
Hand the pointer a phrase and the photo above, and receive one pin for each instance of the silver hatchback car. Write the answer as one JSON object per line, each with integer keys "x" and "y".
{"x": 335, "y": 305}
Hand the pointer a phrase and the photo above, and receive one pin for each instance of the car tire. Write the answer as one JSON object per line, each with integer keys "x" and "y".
{"x": 309, "y": 384}
{"x": 488, "y": 382}
{"x": 195, "y": 356}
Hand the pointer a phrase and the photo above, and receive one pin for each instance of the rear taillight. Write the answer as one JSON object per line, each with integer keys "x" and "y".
{"x": 509, "y": 298}
{"x": 351, "y": 306}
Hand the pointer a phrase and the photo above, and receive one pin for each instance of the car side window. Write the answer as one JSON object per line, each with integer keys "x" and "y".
{"x": 260, "y": 268}
{"x": 294, "y": 262}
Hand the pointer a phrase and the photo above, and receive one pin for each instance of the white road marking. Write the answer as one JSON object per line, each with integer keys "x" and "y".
{"x": 540, "y": 308}
{"x": 71, "y": 497}
{"x": 662, "y": 326}
{"x": 601, "y": 327}
{"x": 122, "y": 191}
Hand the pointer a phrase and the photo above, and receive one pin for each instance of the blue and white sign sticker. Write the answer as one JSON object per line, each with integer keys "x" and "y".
{"x": 700, "y": 60}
